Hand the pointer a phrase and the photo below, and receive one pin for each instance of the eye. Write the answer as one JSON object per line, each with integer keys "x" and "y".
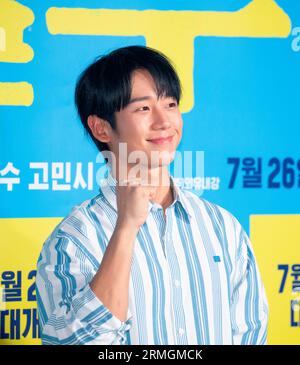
{"x": 172, "y": 104}
{"x": 143, "y": 108}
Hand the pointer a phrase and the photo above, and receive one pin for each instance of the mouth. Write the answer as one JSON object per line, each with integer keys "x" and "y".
{"x": 165, "y": 140}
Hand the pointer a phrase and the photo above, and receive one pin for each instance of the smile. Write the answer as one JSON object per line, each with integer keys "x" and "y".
{"x": 161, "y": 140}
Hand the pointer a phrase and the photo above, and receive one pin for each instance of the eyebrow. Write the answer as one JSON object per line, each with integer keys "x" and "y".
{"x": 141, "y": 98}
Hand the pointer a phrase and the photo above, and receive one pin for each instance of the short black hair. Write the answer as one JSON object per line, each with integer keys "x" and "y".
{"x": 104, "y": 87}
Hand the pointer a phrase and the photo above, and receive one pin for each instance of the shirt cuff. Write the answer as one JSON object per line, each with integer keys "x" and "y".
{"x": 88, "y": 308}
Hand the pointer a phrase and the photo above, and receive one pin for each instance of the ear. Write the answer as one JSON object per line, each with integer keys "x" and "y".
{"x": 99, "y": 128}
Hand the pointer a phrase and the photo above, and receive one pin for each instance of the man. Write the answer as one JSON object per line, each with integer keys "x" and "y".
{"x": 145, "y": 262}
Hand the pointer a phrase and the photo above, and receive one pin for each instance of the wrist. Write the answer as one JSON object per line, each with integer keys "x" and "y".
{"x": 126, "y": 227}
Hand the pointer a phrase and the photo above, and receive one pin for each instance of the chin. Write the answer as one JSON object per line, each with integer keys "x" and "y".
{"x": 161, "y": 157}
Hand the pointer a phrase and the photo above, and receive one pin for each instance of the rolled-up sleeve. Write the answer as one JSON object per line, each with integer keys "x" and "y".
{"x": 69, "y": 311}
{"x": 249, "y": 306}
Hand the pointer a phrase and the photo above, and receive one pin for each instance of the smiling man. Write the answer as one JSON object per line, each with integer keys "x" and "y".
{"x": 145, "y": 262}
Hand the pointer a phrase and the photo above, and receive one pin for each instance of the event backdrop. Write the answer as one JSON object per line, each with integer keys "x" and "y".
{"x": 239, "y": 62}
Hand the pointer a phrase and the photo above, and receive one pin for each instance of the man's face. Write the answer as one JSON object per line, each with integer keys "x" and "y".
{"x": 148, "y": 124}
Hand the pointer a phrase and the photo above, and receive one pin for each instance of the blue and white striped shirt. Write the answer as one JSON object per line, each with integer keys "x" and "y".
{"x": 194, "y": 278}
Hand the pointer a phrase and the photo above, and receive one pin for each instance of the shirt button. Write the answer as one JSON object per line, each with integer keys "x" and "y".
{"x": 177, "y": 283}
{"x": 181, "y": 331}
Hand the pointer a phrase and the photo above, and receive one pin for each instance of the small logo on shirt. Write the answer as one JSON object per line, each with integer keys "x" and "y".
{"x": 217, "y": 259}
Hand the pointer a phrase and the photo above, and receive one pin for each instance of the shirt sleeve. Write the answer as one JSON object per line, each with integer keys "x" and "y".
{"x": 69, "y": 311}
{"x": 249, "y": 306}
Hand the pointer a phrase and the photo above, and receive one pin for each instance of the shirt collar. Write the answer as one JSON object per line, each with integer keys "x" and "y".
{"x": 108, "y": 188}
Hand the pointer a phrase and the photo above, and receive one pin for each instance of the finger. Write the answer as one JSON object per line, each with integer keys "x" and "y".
{"x": 134, "y": 181}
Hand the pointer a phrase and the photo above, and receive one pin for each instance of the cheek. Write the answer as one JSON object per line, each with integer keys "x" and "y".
{"x": 134, "y": 133}
{"x": 128, "y": 129}
{"x": 179, "y": 126}
{"x": 180, "y": 121}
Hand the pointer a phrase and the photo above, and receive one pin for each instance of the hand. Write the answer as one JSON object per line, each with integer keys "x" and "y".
{"x": 132, "y": 203}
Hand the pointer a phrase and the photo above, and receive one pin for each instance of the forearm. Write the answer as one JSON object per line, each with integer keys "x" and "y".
{"x": 111, "y": 282}
{"x": 69, "y": 310}
{"x": 249, "y": 303}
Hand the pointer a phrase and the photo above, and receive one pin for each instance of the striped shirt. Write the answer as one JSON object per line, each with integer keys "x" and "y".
{"x": 194, "y": 278}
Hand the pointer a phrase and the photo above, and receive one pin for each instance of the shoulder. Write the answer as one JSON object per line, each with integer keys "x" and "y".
{"x": 213, "y": 210}
{"x": 216, "y": 218}
{"x": 77, "y": 230}
{"x": 80, "y": 219}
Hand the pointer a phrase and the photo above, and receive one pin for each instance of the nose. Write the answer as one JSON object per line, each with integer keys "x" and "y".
{"x": 161, "y": 120}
